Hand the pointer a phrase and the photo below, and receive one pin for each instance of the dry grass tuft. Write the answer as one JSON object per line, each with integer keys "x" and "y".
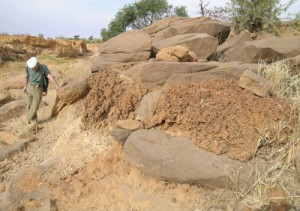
{"x": 285, "y": 83}
{"x": 56, "y": 60}
{"x": 280, "y": 169}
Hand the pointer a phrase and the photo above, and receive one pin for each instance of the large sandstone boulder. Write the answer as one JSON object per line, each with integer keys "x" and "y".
{"x": 154, "y": 74}
{"x": 74, "y": 90}
{"x": 244, "y": 36}
{"x": 229, "y": 71}
{"x": 202, "y": 44}
{"x": 129, "y": 42}
{"x": 70, "y": 93}
{"x": 268, "y": 50}
{"x": 162, "y": 24}
{"x": 173, "y": 26}
{"x": 131, "y": 46}
{"x": 178, "y": 53}
{"x": 176, "y": 159}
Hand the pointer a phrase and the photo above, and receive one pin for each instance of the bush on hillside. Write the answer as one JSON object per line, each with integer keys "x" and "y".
{"x": 257, "y": 15}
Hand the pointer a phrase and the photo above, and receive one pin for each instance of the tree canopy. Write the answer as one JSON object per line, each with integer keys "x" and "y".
{"x": 258, "y": 15}
{"x": 253, "y": 15}
{"x": 139, "y": 15}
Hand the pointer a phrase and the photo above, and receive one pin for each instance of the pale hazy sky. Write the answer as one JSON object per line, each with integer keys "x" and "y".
{"x": 67, "y": 18}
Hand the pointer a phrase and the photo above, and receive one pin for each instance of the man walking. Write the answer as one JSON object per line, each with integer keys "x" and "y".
{"x": 35, "y": 79}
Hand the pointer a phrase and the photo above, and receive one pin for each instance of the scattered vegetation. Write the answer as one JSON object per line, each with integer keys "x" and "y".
{"x": 253, "y": 15}
{"x": 56, "y": 60}
{"x": 290, "y": 27}
{"x": 40, "y": 35}
{"x": 286, "y": 84}
{"x": 220, "y": 13}
{"x": 139, "y": 15}
{"x": 90, "y": 39}
{"x": 257, "y": 15}
{"x": 280, "y": 167}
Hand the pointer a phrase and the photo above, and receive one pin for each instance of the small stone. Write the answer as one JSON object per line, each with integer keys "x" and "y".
{"x": 255, "y": 83}
{"x": 128, "y": 124}
{"x": 120, "y": 135}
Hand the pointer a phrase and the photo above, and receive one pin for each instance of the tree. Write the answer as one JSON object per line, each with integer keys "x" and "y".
{"x": 220, "y": 13}
{"x": 122, "y": 20}
{"x": 180, "y": 11}
{"x": 40, "y": 35}
{"x": 204, "y": 12}
{"x": 257, "y": 15}
{"x": 253, "y": 15}
{"x": 90, "y": 39}
{"x": 139, "y": 15}
{"x": 149, "y": 11}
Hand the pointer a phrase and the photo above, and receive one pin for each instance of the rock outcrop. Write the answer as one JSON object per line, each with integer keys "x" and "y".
{"x": 176, "y": 159}
{"x": 255, "y": 83}
{"x": 131, "y": 46}
{"x": 74, "y": 90}
{"x": 202, "y": 44}
{"x": 244, "y": 36}
{"x": 268, "y": 50}
{"x": 27, "y": 40}
{"x": 173, "y": 26}
{"x": 70, "y": 48}
{"x": 153, "y": 75}
{"x": 178, "y": 53}
{"x": 70, "y": 93}
{"x": 22, "y": 47}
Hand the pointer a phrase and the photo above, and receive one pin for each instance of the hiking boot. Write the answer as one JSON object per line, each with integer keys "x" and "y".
{"x": 32, "y": 127}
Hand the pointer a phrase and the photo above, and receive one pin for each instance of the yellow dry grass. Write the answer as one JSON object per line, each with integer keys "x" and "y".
{"x": 280, "y": 169}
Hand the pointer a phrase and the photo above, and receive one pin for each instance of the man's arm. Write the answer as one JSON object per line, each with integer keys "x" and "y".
{"x": 26, "y": 83}
{"x": 53, "y": 80}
